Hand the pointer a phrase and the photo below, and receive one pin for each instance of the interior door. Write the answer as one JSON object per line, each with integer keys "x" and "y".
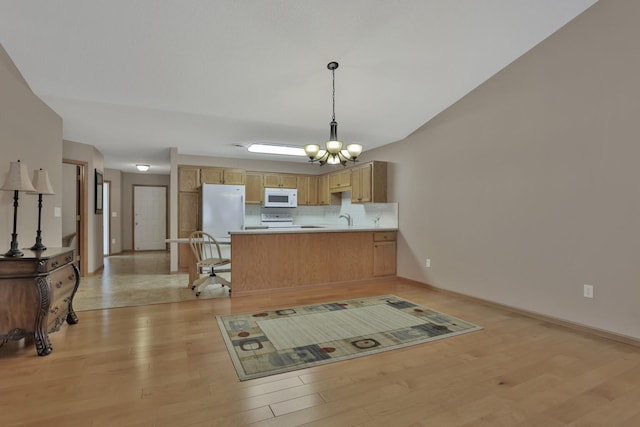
{"x": 149, "y": 218}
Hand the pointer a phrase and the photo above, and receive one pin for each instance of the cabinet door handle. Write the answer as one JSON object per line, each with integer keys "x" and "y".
{"x": 54, "y": 264}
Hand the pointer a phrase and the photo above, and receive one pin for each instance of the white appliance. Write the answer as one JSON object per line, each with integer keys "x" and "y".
{"x": 278, "y": 221}
{"x": 222, "y": 210}
{"x": 280, "y": 198}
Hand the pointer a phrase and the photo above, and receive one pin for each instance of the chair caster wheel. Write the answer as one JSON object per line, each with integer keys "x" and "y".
{"x": 193, "y": 287}
{"x": 197, "y": 294}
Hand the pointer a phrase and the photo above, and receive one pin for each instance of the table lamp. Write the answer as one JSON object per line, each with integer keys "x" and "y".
{"x": 18, "y": 180}
{"x": 43, "y": 186}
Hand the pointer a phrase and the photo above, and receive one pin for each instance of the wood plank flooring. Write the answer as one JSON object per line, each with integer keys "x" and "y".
{"x": 166, "y": 365}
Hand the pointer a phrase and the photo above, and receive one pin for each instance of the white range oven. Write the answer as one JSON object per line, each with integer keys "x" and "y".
{"x": 278, "y": 221}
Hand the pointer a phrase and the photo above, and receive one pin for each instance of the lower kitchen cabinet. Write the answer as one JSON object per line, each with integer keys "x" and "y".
{"x": 384, "y": 253}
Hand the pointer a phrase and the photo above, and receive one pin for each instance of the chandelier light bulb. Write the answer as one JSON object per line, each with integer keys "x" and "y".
{"x": 354, "y": 150}
{"x": 333, "y": 147}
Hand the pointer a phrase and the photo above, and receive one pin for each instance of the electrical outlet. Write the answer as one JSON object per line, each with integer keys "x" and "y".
{"x": 588, "y": 291}
{"x": 427, "y": 263}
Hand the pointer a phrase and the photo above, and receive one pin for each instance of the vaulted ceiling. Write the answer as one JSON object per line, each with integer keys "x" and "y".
{"x": 134, "y": 78}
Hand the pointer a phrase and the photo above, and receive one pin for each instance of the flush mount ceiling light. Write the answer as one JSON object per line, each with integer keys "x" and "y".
{"x": 276, "y": 149}
{"x": 333, "y": 153}
{"x": 142, "y": 168}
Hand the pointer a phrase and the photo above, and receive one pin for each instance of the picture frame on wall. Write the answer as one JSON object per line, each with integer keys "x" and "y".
{"x": 98, "y": 192}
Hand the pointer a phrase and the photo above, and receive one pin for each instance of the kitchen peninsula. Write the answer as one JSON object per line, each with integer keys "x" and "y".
{"x": 267, "y": 260}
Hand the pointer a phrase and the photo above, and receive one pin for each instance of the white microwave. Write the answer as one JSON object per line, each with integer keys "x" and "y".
{"x": 280, "y": 198}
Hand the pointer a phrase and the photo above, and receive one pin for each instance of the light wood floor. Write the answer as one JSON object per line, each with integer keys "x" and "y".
{"x": 166, "y": 365}
{"x": 138, "y": 278}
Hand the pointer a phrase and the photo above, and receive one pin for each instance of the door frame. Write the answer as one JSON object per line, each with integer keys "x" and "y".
{"x": 82, "y": 207}
{"x": 133, "y": 213}
{"x": 107, "y": 235}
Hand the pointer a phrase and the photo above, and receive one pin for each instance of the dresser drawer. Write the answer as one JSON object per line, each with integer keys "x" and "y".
{"x": 52, "y": 263}
{"x": 63, "y": 283}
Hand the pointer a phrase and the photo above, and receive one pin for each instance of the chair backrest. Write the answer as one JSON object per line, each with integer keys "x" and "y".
{"x": 204, "y": 246}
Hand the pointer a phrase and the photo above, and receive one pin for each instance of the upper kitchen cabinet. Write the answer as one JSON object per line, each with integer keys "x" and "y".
{"x": 324, "y": 196}
{"x": 211, "y": 175}
{"x": 254, "y": 189}
{"x": 307, "y": 190}
{"x": 188, "y": 178}
{"x": 340, "y": 181}
{"x": 369, "y": 183}
{"x": 279, "y": 180}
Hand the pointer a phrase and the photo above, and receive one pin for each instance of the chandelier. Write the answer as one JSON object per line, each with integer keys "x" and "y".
{"x": 333, "y": 153}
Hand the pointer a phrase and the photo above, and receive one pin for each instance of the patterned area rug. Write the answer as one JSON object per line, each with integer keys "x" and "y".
{"x": 271, "y": 342}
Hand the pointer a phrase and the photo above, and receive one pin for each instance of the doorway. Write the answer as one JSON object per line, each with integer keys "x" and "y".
{"x": 149, "y": 217}
{"x": 106, "y": 218}
{"x": 74, "y": 210}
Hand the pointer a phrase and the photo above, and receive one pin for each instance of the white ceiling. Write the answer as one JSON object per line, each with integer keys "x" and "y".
{"x": 134, "y": 78}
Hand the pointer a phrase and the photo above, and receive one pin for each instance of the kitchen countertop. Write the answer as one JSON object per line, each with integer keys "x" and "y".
{"x": 330, "y": 228}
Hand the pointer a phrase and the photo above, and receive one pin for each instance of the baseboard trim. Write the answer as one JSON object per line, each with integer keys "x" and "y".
{"x": 625, "y": 339}
{"x": 235, "y": 292}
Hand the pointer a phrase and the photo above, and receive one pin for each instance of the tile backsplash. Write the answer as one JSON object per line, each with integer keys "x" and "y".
{"x": 363, "y": 214}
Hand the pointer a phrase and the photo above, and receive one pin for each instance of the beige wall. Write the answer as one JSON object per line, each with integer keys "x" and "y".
{"x": 528, "y": 188}
{"x": 32, "y": 133}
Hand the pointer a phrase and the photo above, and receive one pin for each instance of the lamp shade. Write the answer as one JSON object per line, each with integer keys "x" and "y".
{"x": 18, "y": 179}
{"x": 41, "y": 182}
{"x": 354, "y": 150}
{"x": 312, "y": 150}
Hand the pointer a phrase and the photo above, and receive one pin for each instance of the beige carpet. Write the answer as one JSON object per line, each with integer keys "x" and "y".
{"x": 270, "y": 342}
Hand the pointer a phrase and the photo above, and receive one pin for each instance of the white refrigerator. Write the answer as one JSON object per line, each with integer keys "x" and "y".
{"x": 222, "y": 211}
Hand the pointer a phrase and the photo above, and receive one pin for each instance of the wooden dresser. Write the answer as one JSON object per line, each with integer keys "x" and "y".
{"x": 36, "y": 295}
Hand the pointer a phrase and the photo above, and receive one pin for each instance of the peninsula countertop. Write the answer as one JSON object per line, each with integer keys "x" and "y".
{"x": 328, "y": 228}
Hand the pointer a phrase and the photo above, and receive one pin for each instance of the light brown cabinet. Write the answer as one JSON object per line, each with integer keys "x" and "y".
{"x": 279, "y": 180}
{"x": 188, "y": 178}
{"x": 307, "y": 190}
{"x": 188, "y": 212}
{"x": 324, "y": 196}
{"x": 254, "y": 188}
{"x": 211, "y": 175}
{"x": 384, "y": 253}
{"x": 340, "y": 181}
{"x": 369, "y": 183}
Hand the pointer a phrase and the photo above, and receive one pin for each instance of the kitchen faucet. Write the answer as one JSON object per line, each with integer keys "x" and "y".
{"x": 348, "y": 218}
